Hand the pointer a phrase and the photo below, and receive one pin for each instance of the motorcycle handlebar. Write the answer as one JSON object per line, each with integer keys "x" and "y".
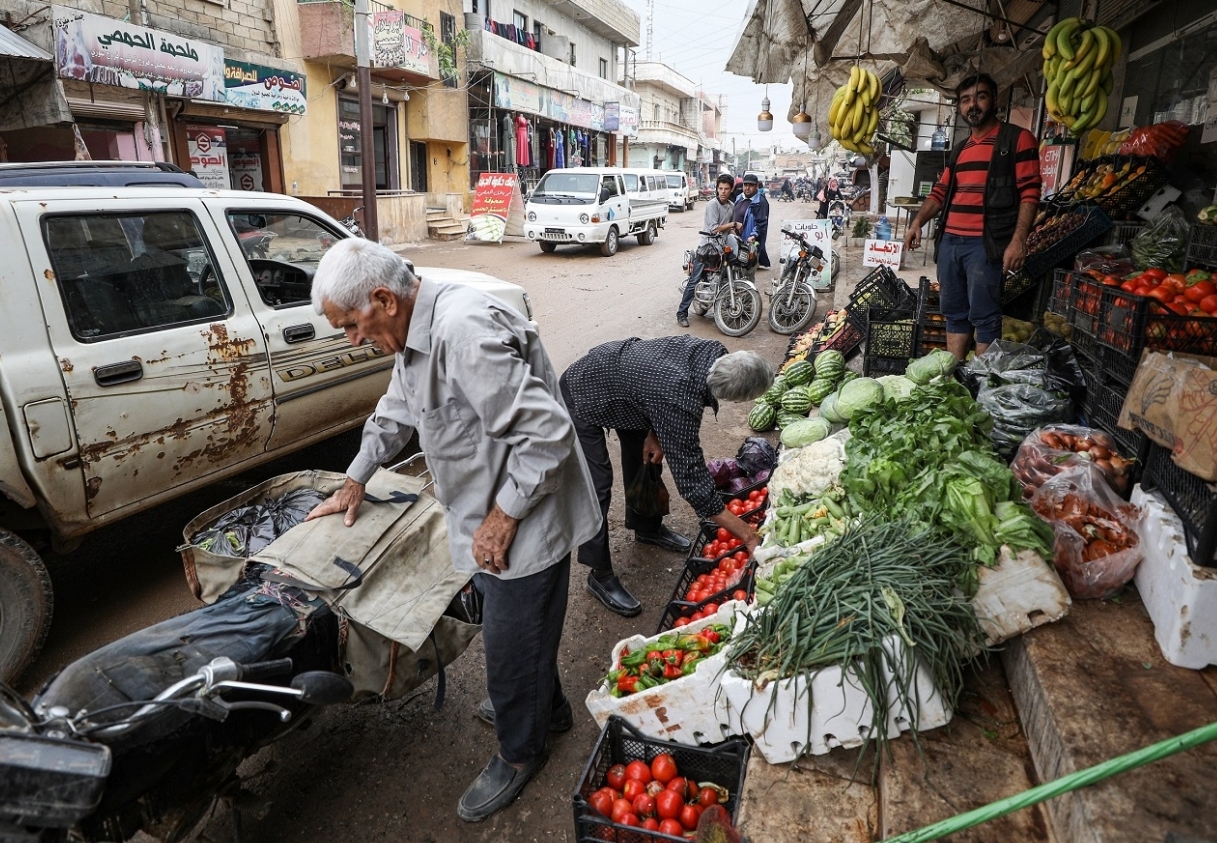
{"x": 263, "y": 670}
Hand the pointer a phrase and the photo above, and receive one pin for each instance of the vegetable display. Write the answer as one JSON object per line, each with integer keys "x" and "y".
{"x": 1051, "y": 450}
{"x": 655, "y": 797}
{"x": 667, "y": 658}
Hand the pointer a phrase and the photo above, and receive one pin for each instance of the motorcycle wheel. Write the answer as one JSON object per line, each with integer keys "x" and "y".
{"x": 789, "y": 317}
{"x": 744, "y": 316}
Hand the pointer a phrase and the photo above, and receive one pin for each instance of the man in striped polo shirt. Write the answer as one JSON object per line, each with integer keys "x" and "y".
{"x": 990, "y": 190}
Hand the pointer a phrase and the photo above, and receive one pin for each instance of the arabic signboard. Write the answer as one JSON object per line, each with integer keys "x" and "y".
{"x": 612, "y": 116}
{"x": 498, "y": 208}
{"x": 882, "y": 253}
{"x": 106, "y": 51}
{"x": 817, "y": 233}
{"x": 396, "y": 44}
{"x": 264, "y": 88}
{"x": 246, "y": 170}
{"x": 208, "y": 147}
{"x": 517, "y": 94}
{"x": 629, "y": 121}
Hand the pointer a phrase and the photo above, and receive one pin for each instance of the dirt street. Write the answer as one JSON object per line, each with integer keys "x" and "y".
{"x": 394, "y": 771}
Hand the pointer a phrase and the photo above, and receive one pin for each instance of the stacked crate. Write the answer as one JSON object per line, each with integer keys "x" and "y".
{"x": 931, "y": 324}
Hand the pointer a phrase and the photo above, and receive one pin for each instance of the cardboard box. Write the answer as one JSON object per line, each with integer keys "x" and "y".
{"x": 1173, "y": 400}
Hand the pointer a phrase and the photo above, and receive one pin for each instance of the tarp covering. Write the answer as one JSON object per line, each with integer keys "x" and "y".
{"x": 30, "y": 95}
{"x": 813, "y": 45}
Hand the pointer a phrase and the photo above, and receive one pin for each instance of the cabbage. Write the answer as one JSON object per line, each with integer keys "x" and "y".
{"x": 859, "y": 394}
{"x": 896, "y": 386}
{"x": 757, "y": 454}
{"x": 738, "y": 484}
{"x": 805, "y": 432}
{"x": 938, "y": 363}
{"x": 723, "y": 472}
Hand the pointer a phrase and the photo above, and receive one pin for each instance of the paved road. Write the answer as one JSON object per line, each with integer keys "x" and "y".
{"x": 395, "y": 770}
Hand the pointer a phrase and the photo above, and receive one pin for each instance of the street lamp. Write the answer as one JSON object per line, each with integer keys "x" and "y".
{"x": 801, "y": 124}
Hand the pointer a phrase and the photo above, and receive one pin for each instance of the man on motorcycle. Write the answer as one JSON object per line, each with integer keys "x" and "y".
{"x": 471, "y": 376}
{"x": 753, "y": 201}
{"x": 718, "y": 220}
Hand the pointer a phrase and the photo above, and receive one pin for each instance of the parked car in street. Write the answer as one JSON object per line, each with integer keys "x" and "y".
{"x": 596, "y": 206}
{"x": 154, "y": 340}
{"x": 681, "y": 194}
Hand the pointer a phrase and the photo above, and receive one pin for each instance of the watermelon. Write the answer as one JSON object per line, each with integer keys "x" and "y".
{"x": 829, "y": 364}
{"x": 799, "y": 374}
{"x": 805, "y": 432}
{"x": 819, "y": 389}
{"x": 796, "y": 401}
{"x": 773, "y": 395}
{"x": 828, "y": 409}
{"x": 846, "y": 376}
{"x": 762, "y": 416}
{"x": 786, "y": 419}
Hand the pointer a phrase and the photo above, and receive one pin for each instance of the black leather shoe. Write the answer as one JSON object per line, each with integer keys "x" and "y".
{"x": 560, "y": 720}
{"x": 665, "y": 538}
{"x": 613, "y": 595}
{"x": 682, "y": 321}
{"x": 495, "y": 788}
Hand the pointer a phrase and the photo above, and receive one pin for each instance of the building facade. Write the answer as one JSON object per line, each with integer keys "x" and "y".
{"x": 680, "y": 126}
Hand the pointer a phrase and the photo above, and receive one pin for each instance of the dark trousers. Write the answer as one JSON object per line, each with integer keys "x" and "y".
{"x": 695, "y": 275}
{"x": 761, "y": 235}
{"x": 594, "y": 444}
{"x": 521, "y": 628}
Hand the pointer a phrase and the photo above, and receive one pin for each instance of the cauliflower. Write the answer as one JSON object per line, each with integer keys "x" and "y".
{"x": 810, "y": 470}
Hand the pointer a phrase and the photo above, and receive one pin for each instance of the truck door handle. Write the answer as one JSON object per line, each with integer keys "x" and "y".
{"x": 116, "y": 373}
{"x": 298, "y": 333}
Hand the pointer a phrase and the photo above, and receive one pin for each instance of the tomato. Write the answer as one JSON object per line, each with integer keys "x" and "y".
{"x": 682, "y": 786}
{"x": 644, "y": 805}
{"x": 723, "y": 534}
{"x": 669, "y": 803}
{"x": 679, "y": 622}
{"x": 1162, "y": 293}
{"x": 1156, "y": 272}
{"x": 601, "y": 802}
{"x": 1128, "y": 286}
{"x": 741, "y": 556}
{"x": 615, "y": 777}
{"x": 640, "y": 771}
{"x": 621, "y": 807}
{"x": 633, "y": 788}
{"x": 630, "y": 818}
{"x": 654, "y": 788}
{"x": 756, "y": 495}
{"x": 1179, "y": 308}
{"x": 650, "y": 824}
{"x": 689, "y": 815}
{"x": 1194, "y": 293}
{"x": 739, "y": 594}
{"x": 663, "y": 768}
{"x": 1206, "y": 287}
{"x": 1209, "y": 304}
{"x": 1111, "y": 281}
{"x": 709, "y": 609}
{"x": 672, "y": 827}
{"x": 707, "y": 796}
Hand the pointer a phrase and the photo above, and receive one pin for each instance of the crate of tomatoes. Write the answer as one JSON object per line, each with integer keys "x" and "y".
{"x": 706, "y": 584}
{"x": 636, "y": 788}
{"x": 749, "y": 504}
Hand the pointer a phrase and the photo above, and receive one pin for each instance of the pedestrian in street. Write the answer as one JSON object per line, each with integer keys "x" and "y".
{"x": 990, "y": 191}
{"x": 654, "y": 394}
{"x": 471, "y": 376}
{"x": 717, "y": 220}
{"x": 752, "y": 199}
{"x": 829, "y": 193}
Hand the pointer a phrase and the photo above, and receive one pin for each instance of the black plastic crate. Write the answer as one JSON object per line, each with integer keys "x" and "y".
{"x": 1061, "y": 299}
{"x": 875, "y": 367}
{"x": 744, "y": 492}
{"x": 679, "y": 607}
{"x": 889, "y": 346}
{"x": 1016, "y": 284}
{"x": 929, "y": 338}
{"x": 1086, "y": 344}
{"x": 847, "y": 341}
{"x": 1121, "y": 233}
{"x": 1093, "y": 225}
{"x": 881, "y": 294}
{"x": 1132, "y": 323}
{"x": 619, "y": 743}
{"x": 1202, "y": 247}
{"x": 1086, "y": 310}
{"x": 1104, "y": 400}
{"x": 1194, "y": 501}
{"x": 929, "y": 298}
{"x": 1122, "y": 202}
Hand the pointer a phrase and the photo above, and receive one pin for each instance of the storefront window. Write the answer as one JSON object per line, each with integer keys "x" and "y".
{"x": 110, "y": 141}
{"x": 384, "y": 145}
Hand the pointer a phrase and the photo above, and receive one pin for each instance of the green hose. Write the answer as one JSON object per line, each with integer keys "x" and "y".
{"x": 1065, "y": 784}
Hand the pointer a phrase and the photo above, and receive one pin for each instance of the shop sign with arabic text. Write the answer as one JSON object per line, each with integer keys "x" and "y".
{"x": 106, "y": 51}
{"x": 397, "y": 44}
{"x": 264, "y": 88}
{"x": 882, "y": 253}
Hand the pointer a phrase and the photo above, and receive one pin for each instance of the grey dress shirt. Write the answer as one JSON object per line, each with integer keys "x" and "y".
{"x": 716, "y": 214}
{"x": 476, "y": 383}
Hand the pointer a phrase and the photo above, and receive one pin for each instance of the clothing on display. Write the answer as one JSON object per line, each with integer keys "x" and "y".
{"x": 522, "y": 152}
{"x": 509, "y": 143}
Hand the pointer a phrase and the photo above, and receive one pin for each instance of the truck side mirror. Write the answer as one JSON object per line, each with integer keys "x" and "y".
{"x": 604, "y": 195}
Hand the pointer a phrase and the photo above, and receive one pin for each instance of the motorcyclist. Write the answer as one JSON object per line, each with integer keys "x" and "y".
{"x": 753, "y": 201}
{"x": 787, "y": 190}
{"x": 718, "y": 220}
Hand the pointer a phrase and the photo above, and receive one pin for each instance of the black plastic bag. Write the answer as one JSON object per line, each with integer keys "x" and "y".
{"x": 647, "y": 495}
{"x": 248, "y": 529}
{"x": 1064, "y": 372}
{"x": 1004, "y": 362}
{"x": 1019, "y": 408}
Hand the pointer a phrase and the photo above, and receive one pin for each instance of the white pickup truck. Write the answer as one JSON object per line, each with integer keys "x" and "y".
{"x": 154, "y": 340}
{"x": 591, "y": 205}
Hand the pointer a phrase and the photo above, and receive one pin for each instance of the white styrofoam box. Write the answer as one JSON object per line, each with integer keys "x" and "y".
{"x": 1018, "y": 594}
{"x": 1181, "y": 598}
{"x": 783, "y": 722}
{"x": 689, "y": 710}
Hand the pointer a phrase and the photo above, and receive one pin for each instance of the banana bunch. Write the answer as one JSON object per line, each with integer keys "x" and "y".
{"x": 854, "y": 113}
{"x": 1077, "y": 64}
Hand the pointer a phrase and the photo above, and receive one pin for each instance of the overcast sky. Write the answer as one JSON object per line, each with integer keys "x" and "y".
{"x": 695, "y": 38}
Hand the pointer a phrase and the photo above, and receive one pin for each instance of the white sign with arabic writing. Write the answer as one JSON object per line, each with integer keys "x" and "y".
{"x": 882, "y": 253}
{"x": 208, "y": 148}
{"x": 106, "y": 51}
{"x": 816, "y": 233}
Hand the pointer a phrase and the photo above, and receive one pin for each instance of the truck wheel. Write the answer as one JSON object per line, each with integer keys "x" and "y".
{"x": 647, "y": 236}
{"x": 609, "y": 247}
{"x": 548, "y": 247}
{"x": 25, "y": 605}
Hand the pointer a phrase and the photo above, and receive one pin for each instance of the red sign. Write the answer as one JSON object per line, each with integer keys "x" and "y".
{"x": 498, "y": 207}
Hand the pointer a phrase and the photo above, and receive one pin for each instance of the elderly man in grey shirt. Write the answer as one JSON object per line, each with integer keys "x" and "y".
{"x": 472, "y": 377}
{"x": 718, "y": 220}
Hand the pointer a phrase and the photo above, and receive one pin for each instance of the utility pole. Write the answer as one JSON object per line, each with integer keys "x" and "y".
{"x": 367, "y": 156}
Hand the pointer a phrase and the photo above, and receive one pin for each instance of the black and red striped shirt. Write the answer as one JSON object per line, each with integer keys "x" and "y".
{"x": 966, "y": 216}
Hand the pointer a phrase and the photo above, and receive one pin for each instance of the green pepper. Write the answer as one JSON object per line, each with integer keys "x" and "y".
{"x": 634, "y": 659}
{"x": 688, "y": 667}
{"x": 645, "y": 683}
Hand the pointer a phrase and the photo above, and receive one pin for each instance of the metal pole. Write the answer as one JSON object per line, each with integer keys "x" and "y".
{"x": 367, "y": 156}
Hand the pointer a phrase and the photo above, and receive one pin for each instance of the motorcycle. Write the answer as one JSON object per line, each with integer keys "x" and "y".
{"x": 792, "y": 301}
{"x": 351, "y": 224}
{"x": 724, "y": 285}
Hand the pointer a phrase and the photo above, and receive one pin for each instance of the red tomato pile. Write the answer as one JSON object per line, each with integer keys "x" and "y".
{"x": 655, "y": 797}
{"x": 1193, "y": 294}
{"x": 751, "y": 508}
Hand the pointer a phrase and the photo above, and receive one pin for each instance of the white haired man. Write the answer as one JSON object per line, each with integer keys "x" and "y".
{"x": 654, "y": 393}
{"x": 472, "y": 377}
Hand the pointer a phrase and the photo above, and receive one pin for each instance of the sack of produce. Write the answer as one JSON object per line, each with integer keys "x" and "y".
{"x": 1053, "y": 449}
{"x": 1097, "y": 545}
{"x": 1104, "y": 260}
{"x": 1163, "y": 243}
{"x": 1019, "y": 408}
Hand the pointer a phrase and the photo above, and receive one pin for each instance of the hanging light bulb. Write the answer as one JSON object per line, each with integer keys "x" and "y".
{"x": 801, "y": 123}
{"x": 813, "y": 139}
{"x": 384, "y": 96}
{"x": 764, "y": 120}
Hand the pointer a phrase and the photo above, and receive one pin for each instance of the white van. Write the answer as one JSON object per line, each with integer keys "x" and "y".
{"x": 680, "y": 195}
{"x": 596, "y": 205}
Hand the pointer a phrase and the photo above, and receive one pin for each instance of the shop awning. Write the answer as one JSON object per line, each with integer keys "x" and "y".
{"x": 935, "y": 43}
{"x": 30, "y": 95}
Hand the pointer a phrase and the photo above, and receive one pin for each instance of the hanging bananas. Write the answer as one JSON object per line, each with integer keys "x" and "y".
{"x": 1078, "y": 59}
{"x": 853, "y": 115}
